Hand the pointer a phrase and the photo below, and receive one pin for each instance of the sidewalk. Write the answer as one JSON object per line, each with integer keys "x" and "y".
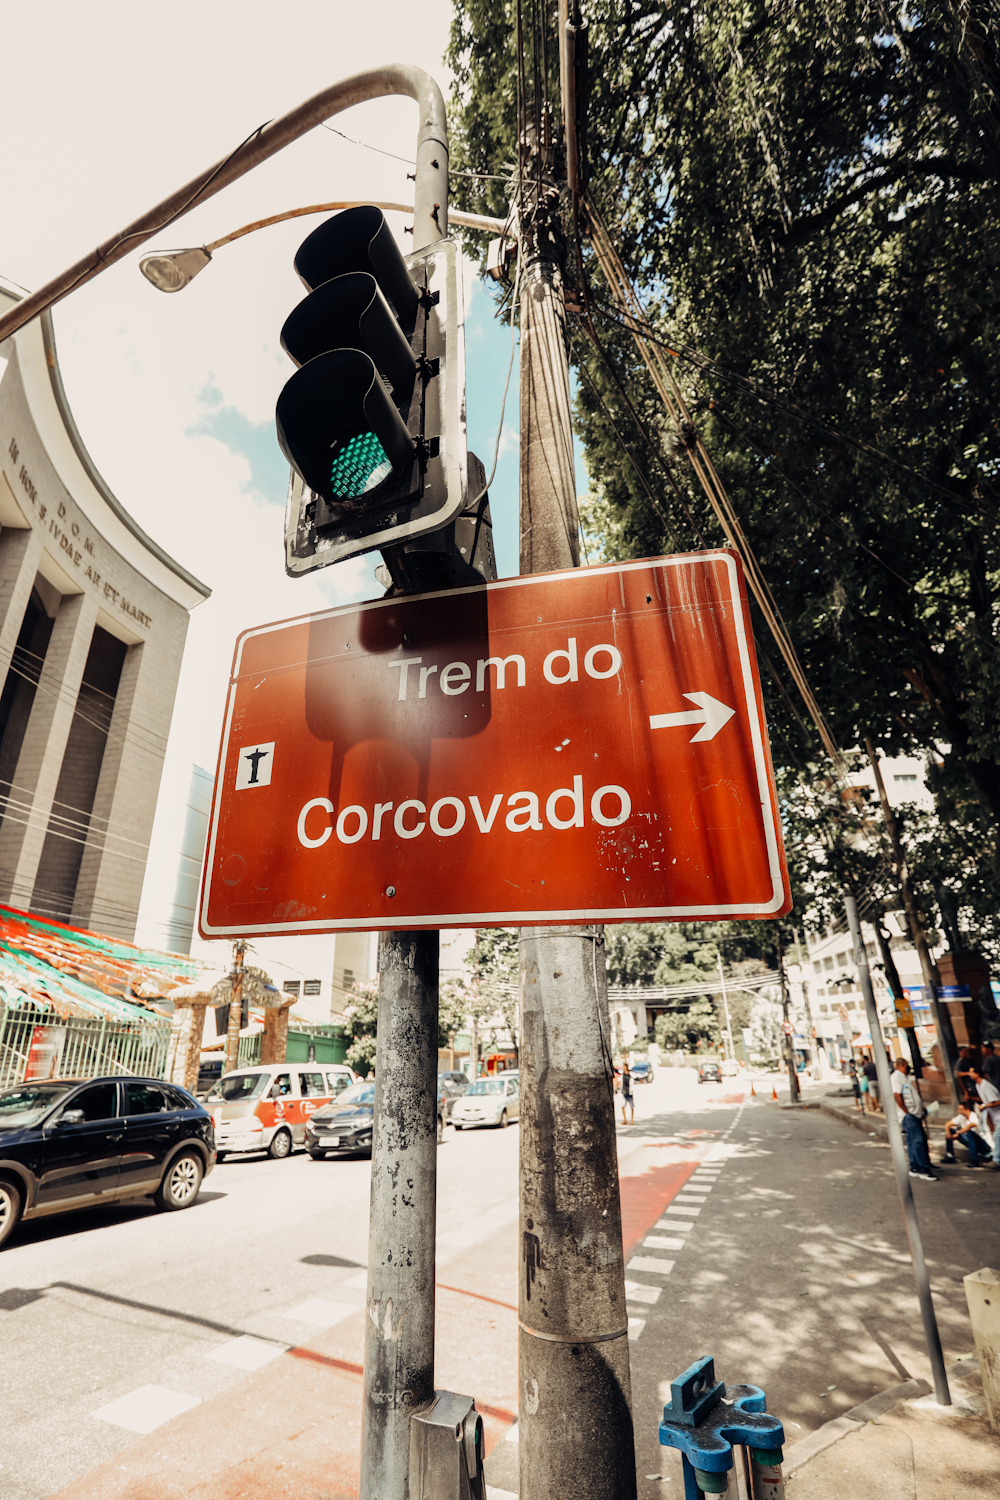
{"x": 836, "y": 1100}
{"x": 902, "y": 1445}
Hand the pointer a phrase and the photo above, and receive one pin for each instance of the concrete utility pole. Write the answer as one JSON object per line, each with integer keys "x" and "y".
{"x": 939, "y": 1010}
{"x": 725, "y": 1008}
{"x": 788, "y": 1038}
{"x": 575, "y": 1397}
{"x": 235, "y": 1008}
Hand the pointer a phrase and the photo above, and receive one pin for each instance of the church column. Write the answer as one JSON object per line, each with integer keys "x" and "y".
{"x": 20, "y": 554}
{"x": 44, "y": 745}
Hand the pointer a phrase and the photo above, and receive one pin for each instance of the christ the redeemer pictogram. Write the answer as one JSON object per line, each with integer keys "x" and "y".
{"x": 255, "y": 757}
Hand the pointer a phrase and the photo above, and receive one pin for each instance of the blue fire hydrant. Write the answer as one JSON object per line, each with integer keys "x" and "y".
{"x": 706, "y": 1420}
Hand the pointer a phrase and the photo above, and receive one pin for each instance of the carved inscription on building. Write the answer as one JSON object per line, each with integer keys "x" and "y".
{"x": 79, "y": 548}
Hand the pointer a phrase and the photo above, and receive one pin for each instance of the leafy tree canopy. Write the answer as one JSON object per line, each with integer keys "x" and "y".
{"x": 805, "y": 199}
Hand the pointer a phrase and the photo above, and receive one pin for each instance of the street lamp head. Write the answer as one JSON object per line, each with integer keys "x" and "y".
{"x": 171, "y": 271}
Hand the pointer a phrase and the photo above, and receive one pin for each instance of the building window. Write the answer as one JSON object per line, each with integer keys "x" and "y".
{"x": 842, "y": 960}
{"x": 870, "y": 949}
{"x": 824, "y": 1009}
{"x": 828, "y": 962}
{"x": 311, "y": 987}
{"x": 910, "y": 779}
{"x": 850, "y": 1005}
{"x": 817, "y": 967}
{"x": 291, "y": 986}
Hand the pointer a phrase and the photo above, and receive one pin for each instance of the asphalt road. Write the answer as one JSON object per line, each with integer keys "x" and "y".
{"x": 97, "y": 1305}
{"x": 793, "y": 1273}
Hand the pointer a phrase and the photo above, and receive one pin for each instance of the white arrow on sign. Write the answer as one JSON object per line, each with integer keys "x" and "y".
{"x": 710, "y": 714}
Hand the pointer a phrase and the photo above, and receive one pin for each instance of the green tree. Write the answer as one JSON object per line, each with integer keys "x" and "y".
{"x": 361, "y": 1024}
{"x": 804, "y": 197}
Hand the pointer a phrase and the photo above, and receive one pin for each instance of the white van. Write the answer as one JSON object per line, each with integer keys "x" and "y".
{"x": 265, "y": 1108}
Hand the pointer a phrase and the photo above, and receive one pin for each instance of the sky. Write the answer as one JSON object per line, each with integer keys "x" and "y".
{"x": 104, "y": 111}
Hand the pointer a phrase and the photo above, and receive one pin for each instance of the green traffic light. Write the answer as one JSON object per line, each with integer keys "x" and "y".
{"x": 360, "y": 465}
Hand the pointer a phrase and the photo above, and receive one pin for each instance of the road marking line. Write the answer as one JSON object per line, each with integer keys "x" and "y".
{"x": 674, "y": 1227}
{"x": 650, "y": 1263}
{"x": 146, "y": 1409}
{"x": 664, "y": 1242}
{"x": 637, "y": 1291}
{"x": 685, "y": 1197}
{"x": 511, "y": 1436}
{"x": 360, "y": 1280}
{"x": 321, "y": 1314}
{"x": 635, "y": 1327}
{"x": 246, "y": 1352}
{"x": 691, "y": 1212}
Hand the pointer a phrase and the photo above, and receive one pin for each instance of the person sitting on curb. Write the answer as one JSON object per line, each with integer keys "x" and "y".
{"x": 963, "y": 1075}
{"x": 990, "y": 1096}
{"x": 965, "y": 1128}
{"x": 909, "y": 1112}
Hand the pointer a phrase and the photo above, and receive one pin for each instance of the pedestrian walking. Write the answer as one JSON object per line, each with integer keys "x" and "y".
{"x": 991, "y": 1064}
{"x": 855, "y": 1085}
{"x": 910, "y": 1111}
{"x": 990, "y": 1096}
{"x": 871, "y": 1074}
{"x": 628, "y": 1103}
{"x": 964, "y": 1127}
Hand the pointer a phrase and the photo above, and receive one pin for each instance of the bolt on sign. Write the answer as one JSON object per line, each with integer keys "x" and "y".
{"x": 578, "y": 746}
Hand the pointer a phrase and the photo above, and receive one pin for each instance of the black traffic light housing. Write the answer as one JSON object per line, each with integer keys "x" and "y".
{"x": 373, "y": 420}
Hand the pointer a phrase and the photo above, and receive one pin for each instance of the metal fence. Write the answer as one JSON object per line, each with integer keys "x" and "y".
{"x": 37, "y": 1043}
{"x": 249, "y": 1052}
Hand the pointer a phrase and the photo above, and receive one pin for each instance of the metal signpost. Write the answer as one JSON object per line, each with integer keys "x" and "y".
{"x": 900, "y": 1162}
{"x": 521, "y": 753}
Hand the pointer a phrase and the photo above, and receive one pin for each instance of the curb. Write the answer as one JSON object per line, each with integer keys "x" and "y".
{"x": 864, "y": 1122}
{"x": 831, "y": 1432}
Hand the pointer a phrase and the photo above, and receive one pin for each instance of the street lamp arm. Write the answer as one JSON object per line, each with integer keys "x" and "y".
{"x": 430, "y": 210}
{"x": 467, "y": 221}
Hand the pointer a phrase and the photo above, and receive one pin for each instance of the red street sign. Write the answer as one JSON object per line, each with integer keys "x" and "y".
{"x": 580, "y": 746}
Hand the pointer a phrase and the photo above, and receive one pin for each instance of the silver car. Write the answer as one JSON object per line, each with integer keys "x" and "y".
{"x": 489, "y": 1101}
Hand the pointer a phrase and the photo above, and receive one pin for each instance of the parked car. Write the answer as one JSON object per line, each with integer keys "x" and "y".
{"x": 709, "y": 1072}
{"x": 267, "y": 1107}
{"x": 460, "y": 1080}
{"x": 642, "y": 1072}
{"x": 450, "y": 1092}
{"x": 345, "y": 1127}
{"x": 72, "y": 1142}
{"x": 730, "y": 1068}
{"x": 489, "y": 1101}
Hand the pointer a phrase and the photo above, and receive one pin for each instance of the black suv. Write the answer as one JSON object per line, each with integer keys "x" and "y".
{"x": 71, "y": 1142}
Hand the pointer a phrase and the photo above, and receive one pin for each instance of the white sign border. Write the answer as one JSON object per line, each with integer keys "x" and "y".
{"x": 449, "y": 920}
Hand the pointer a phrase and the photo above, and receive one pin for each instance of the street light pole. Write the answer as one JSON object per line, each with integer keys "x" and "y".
{"x": 430, "y": 198}
{"x": 399, "y": 1342}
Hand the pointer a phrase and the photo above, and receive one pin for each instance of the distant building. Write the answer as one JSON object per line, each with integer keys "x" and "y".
{"x": 180, "y": 923}
{"x": 93, "y": 619}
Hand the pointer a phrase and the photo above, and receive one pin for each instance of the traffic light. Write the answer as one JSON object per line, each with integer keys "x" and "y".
{"x": 373, "y": 420}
